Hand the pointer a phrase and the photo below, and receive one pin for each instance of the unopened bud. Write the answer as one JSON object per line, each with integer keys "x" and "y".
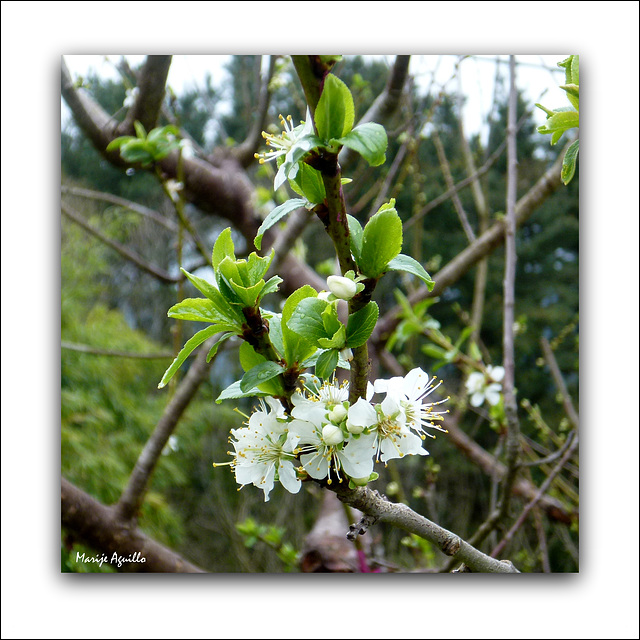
{"x": 341, "y": 287}
{"x": 332, "y": 435}
{"x": 337, "y": 414}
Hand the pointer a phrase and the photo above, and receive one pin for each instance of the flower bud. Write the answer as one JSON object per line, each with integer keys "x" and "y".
{"x": 354, "y": 428}
{"x": 341, "y": 287}
{"x": 337, "y": 414}
{"x": 332, "y": 435}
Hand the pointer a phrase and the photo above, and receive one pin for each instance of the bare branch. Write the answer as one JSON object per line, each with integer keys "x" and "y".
{"x": 245, "y": 151}
{"x": 512, "y": 444}
{"x": 543, "y": 489}
{"x": 90, "y": 522}
{"x": 380, "y": 509}
{"x": 133, "y": 495}
{"x": 559, "y": 381}
{"x": 483, "y": 246}
{"x": 152, "y": 80}
{"x": 126, "y": 253}
{"x": 84, "y": 348}
{"x": 122, "y": 202}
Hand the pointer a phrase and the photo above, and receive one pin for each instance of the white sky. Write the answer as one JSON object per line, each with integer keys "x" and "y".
{"x": 536, "y": 74}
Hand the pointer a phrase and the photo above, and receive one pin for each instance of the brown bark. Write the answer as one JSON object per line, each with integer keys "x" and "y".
{"x": 90, "y": 522}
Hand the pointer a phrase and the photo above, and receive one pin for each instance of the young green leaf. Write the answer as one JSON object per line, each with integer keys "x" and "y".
{"x": 569, "y": 162}
{"x": 326, "y": 364}
{"x": 412, "y": 266}
{"x": 296, "y": 348}
{"x": 381, "y": 242}
{"x": 275, "y": 216}
{"x": 260, "y": 374}
{"x": 220, "y": 304}
{"x": 369, "y": 140}
{"x": 223, "y": 248}
{"x": 233, "y": 392}
{"x": 197, "y": 310}
{"x": 361, "y": 324}
{"x": 190, "y": 345}
{"x": 355, "y": 237}
{"x": 308, "y": 183}
{"x": 307, "y": 320}
{"x": 335, "y": 111}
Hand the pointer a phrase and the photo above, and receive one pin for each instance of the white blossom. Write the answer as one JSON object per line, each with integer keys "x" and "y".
{"x": 485, "y": 386}
{"x": 263, "y": 448}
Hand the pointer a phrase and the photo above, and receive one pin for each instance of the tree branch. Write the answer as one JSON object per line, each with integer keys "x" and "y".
{"x": 152, "y": 80}
{"x": 245, "y": 151}
{"x": 372, "y": 504}
{"x": 483, "y": 246}
{"x": 122, "y": 202}
{"x": 133, "y": 495}
{"x": 90, "y": 522}
{"x": 127, "y": 254}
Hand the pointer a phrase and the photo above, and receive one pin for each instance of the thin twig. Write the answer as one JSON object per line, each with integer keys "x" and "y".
{"x": 84, "y": 348}
{"x": 560, "y": 384}
{"x": 122, "y": 202}
{"x": 541, "y": 491}
{"x": 133, "y": 495}
{"x": 126, "y": 253}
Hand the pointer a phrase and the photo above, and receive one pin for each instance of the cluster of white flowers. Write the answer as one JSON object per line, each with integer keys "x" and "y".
{"x": 325, "y": 437}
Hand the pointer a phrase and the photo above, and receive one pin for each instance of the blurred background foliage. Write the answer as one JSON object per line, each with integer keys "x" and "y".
{"x": 110, "y": 405}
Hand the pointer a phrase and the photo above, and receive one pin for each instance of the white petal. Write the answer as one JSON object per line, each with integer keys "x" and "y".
{"x": 288, "y": 478}
{"x": 357, "y": 456}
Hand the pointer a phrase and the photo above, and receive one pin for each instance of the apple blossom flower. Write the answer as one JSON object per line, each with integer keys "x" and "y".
{"x": 485, "y": 386}
{"x": 264, "y": 449}
{"x": 387, "y": 423}
{"x": 293, "y": 140}
{"x": 409, "y": 393}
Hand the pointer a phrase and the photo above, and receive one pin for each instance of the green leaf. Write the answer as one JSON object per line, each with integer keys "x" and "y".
{"x": 196, "y": 310}
{"x": 270, "y": 286}
{"x": 361, "y": 324}
{"x": 410, "y": 265}
{"x": 118, "y": 142}
{"x": 296, "y": 348}
{"x": 335, "y": 112}
{"x": 190, "y": 345}
{"x": 216, "y": 346}
{"x": 223, "y": 248}
{"x": 569, "y": 162}
{"x": 233, "y": 392}
{"x": 336, "y": 341}
{"x": 140, "y": 130}
{"x": 369, "y": 140}
{"x": 136, "y": 151}
{"x": 381, "y": 242}
{"x": 308, "y": 183}
{"x": 355, "y": 237}
{"x": 275, "y": 216}
{"x": 219, "y": 302}
{"x": 250, "y": 358}
{"x": 326, "y": 364}
{"x": 260, "y": 374}
{"x": 307, "y": 320}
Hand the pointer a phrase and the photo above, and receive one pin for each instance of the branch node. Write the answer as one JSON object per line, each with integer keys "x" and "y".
{"x": 451, "y": 546}
{"x": 361, "y": 527}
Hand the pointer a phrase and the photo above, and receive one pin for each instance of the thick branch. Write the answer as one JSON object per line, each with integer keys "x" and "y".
{"x": 90, "y": 522}
{"x": 151, "y": 84}
{"x": 380, "y": 509}
{"x": 133, "y": 495}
